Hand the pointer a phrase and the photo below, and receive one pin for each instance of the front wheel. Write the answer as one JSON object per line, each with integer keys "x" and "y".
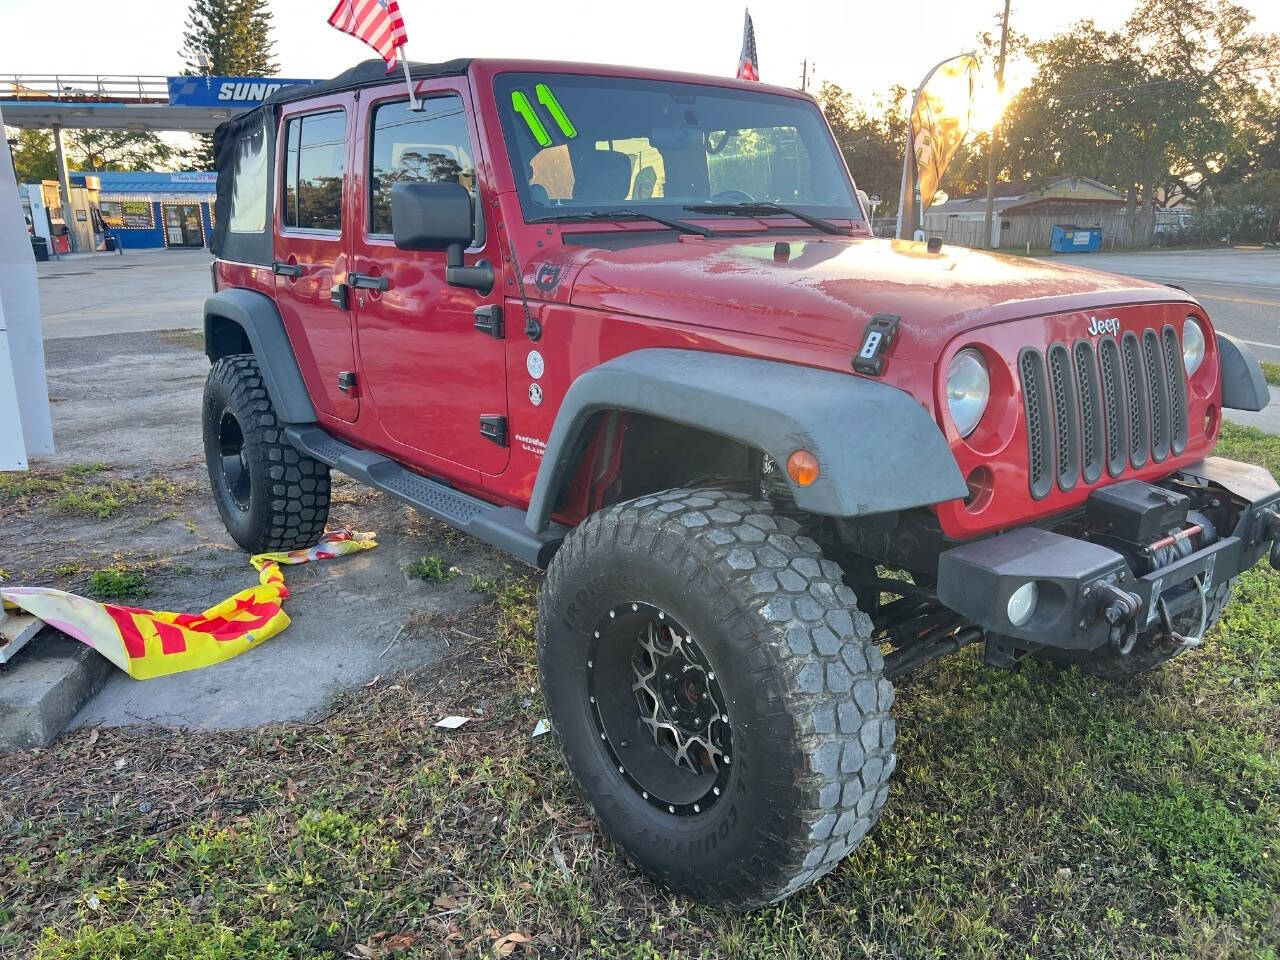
{"x": 715, "y": 693}
{"x": 270, "y": 496}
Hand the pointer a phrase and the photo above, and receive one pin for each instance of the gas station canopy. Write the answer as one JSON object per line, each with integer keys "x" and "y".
{"x": 141, "y": 103}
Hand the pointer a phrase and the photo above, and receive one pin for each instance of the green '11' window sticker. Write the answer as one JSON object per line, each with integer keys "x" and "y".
{"x": 521, "y": 104}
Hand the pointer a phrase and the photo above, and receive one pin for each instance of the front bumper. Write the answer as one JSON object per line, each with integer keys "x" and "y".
{"x": 1078, "y": 581}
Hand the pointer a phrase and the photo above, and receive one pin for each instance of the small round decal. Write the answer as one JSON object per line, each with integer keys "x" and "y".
{"x": 535, "y": 394}
{"x": 535, "y": 364}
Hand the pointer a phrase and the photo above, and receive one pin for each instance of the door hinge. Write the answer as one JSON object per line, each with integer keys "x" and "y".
{"x": 489, "y": 320}
{"x": 495, "y": 428}
{"x": 347, "y": 383}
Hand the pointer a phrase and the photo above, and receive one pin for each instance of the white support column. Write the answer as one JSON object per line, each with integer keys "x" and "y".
{"x": 25, "y": 427}
{"x": 64, "y": 178}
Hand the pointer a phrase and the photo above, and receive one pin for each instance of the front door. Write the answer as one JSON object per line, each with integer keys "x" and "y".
{"x": 309, "y": 257}
{"x": 431, "y": 374}
{"x": 182, "y": 225}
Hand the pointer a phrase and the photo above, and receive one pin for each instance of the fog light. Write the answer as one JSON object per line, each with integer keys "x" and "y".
{"x": 1022, "y": 603}
{"x": 802, "y": 468}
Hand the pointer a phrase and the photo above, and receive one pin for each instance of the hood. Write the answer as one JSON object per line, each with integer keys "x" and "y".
{"x": 824, "y": 290}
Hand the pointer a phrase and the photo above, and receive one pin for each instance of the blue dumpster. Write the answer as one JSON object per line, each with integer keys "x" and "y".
{"x": 1070, "y": 239}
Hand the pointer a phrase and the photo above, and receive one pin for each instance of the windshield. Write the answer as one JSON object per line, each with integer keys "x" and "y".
{"x": 581, "y": 145}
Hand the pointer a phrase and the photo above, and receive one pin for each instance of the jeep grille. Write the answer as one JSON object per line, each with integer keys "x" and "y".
{"x": 1114, "y": 404}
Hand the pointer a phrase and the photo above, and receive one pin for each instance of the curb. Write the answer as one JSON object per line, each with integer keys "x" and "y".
{"x": 44, "y": 686}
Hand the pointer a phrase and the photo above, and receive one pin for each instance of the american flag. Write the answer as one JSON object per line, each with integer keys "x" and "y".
{"x": 377, "y": 22}
{"x": 748, "y": 65}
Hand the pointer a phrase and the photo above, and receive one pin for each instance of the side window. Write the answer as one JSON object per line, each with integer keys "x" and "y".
{"x": 432, "y": 145}
{"x": 314, "y": 148}
{"x": 249, "y": 179}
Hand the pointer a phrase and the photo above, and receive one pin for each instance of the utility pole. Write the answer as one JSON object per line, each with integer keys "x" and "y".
{"x": 990, "y": 243}
{"x": 804, "y": 75}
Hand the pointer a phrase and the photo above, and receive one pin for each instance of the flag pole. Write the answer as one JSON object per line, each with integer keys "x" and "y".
{"x": 414, "y": 104}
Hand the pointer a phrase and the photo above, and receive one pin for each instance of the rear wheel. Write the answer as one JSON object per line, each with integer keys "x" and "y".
{"x": 1152, "y": 648}
{"x": 270, "y": 496}
{"x": 715, "y": 693}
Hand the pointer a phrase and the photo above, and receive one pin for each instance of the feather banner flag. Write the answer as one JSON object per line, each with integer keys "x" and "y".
{"x": 940, "y": 122}
{"x": 148, "y": 643}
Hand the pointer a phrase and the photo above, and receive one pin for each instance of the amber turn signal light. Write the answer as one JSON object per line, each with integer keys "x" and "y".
{"x": 802, "y": 468}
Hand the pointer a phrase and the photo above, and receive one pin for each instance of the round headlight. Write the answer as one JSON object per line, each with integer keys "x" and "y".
{"x": 1022, "y": 603}
{"x": 968, "y": 390}
{"x": 1192, "y": 345}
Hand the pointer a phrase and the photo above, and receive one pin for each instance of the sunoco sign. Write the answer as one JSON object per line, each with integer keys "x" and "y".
{"x": 238, "y": 92}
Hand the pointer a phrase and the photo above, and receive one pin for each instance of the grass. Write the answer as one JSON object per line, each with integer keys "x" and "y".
{"x": 191, "y": 339}
{"x": 118, "y": 583}
{"x": 82, "y": 490}
{"x": 1272, "y": 372}
{"x": 432, "y": 569}
{"x": 1036, "y": 812}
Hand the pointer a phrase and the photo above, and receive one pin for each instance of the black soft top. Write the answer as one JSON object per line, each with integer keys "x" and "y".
{"x": 255, "y": 132}
{"x": 367, "y": 74}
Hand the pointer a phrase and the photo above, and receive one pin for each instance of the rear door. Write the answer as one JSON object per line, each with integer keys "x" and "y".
{"x": 430, "y": 373}
{"x": 313, "y": 172}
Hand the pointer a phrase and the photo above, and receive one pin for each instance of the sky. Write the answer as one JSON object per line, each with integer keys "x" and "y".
{"x": 863, "y": 46}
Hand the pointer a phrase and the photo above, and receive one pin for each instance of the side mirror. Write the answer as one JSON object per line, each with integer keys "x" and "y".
{"x": 439, "y": 216}
{"x": 431, "y": 216}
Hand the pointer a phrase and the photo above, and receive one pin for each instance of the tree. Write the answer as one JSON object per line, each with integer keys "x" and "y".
{"x": 872, "y": 138}
{"x": 91, "y": 150}
{"x": 121, "y": 150}
{"x": 33, "y": 158}
{"x": 234, "y": 38}
{"x": 1158, "y": 110}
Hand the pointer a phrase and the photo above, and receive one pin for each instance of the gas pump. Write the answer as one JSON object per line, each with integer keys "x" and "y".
{"x": 85, "y": 192}
{"x": 59, "y": 232}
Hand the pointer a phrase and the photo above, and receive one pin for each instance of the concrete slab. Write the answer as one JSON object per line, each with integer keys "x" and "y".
{"x": 44, "y": 686}
{"x": 132, "y": 401}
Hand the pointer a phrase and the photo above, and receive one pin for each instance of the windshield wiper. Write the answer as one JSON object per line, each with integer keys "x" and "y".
{"x": 627, "y": 214}
{"x": 766, "y": 208}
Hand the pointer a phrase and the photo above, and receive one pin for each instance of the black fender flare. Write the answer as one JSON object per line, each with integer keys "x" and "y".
{"x": 878, "y": 448}
{"x": 256, "y": 314}
{"x": 1244, "y": 387}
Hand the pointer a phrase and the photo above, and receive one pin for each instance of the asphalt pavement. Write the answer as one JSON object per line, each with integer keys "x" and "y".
{"x": 93, "y": 294}
{"x": 1239, "y": 287}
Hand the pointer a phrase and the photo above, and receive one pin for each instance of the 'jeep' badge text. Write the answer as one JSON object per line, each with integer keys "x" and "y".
{"x": 1098, "y": 327}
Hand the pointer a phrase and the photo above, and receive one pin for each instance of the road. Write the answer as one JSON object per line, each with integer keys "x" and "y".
{"x": 1240, "y": 288}
{"x": 99, "y": 294}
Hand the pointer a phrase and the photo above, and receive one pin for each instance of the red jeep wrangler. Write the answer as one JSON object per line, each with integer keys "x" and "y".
{"x": 632, "y": 328}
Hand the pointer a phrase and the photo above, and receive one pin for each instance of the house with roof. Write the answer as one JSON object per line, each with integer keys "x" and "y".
{"x": 1026, "y": 214}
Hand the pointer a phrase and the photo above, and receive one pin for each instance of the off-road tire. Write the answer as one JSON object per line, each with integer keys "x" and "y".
{"x": 1151, "y": 649}
{"x": 811, "y": 726}
{"x": 287, "y": 503}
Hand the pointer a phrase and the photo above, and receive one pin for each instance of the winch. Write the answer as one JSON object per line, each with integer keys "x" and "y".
{"x": 1153, "y": 527}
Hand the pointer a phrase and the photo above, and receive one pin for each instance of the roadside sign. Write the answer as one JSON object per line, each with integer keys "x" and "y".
{"x": 246, "y": 92}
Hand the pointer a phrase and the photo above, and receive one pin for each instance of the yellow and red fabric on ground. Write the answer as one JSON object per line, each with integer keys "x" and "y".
{"x": 150, "y": 643}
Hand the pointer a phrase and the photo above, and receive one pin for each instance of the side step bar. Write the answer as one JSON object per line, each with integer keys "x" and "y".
{"x": 501, "y": 527}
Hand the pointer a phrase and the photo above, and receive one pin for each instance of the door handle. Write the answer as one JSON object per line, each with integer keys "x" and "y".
{"x": 363, "y": 281}
{"x": 286, "y": 269}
